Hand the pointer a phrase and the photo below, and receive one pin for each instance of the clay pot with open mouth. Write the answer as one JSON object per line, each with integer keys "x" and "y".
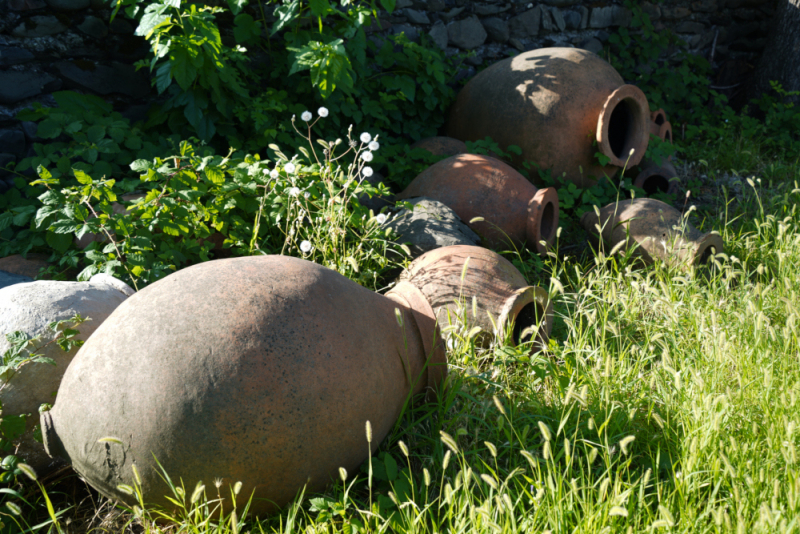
{"x": 560, "y": 106}
{"x": 476, "y": 186}
{"x": 656, "y": 230}
{"x": 657, "y": 178}
{"x": 452, "y": 277}
{"x": 260, "y": 370}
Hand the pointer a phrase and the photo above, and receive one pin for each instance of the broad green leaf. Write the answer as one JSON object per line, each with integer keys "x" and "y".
{"x": 48, "y": 129}
{"x": 215, "y": 175}
{"x": 59, "y": 242}
{"x": 388, "y": 5}
{"x": 95, "y": 133}
{"x": 286, "y": 14}
{"x": 319, "y": 8}
{"x": 140, "y": 166}
{"x": 236, "y": 6}
{"x": 82, "y": 177}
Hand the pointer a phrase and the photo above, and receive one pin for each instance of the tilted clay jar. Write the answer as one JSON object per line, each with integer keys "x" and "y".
{"x": 441, "y": 146}
{"x": 502, "y": 295}
{"x": 657, "y": 230}
{"x": 555, "y": 103}
{"x": 655, "y": 178}
{"x": 657, "y": 119}
{"x": 479, "y": 186}
{"x": 262, "y": 370}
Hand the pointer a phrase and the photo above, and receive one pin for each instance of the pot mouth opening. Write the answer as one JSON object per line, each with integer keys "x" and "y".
{"x": 528, "y": 318}
{"x": 623, "y": 126}
{"x": 543, "y": 219}
{"x": 655, "y": 183}
{"x": 659, "y": 117}
{"x": 710, "y": 246}
{"x": 530, "y": 311}
{"x": 665, "y": 132}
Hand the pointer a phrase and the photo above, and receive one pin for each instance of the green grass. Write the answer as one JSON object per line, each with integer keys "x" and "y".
{"x": 667, "y": 401}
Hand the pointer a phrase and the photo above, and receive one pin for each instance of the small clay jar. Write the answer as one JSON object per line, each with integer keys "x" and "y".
{"x": 502, "y": 295}
{"x": 441, "y": 146}
{"x": 656, "y": 230}
{"x": 655, "y": 178}
{"x": 480, "y": 186}
{"x": 657, "y": 119}
{"x": 560, "y": 106}
{"x": 260, "y": 370}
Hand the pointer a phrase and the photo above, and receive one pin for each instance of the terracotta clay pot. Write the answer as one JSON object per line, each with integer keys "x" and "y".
{"x": 262, "y": 370}
{"x": 480, "y": 186}
{"x": 502, "y": 294}
{"x": 654, "y": 178}
{"x": 657, "y": 119}
{"x": 441, "y": 146}
{"x": 554, "y": 103}
{"x": 656, "y": 229}
{"x": 665, "y": 132}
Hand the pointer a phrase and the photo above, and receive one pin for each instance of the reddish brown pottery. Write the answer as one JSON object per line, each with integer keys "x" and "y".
{"x": 502, "y": 295}
{"x": 560, "y": 106}
{"x": 655, "y": 178}
{"x": 480, "y": 186}
{"x": 657, "y": 119}
{"x": 441, "y": 146}
{"x": 656, "y": 231}
{"x": 262, "y": 370}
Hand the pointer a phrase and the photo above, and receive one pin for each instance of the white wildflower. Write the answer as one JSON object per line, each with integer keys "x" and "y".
{"x": 294, "y": 191}
{"x": 367, "y": 171}
{"x": 274, "y": 174}
{"x": 305, "y": 247}
{"x": 365, "y": 137}
{"x": 306, "y": 194}
{"x": 374, "y": 145}
{"x": 306, "y": 116}
{"x": 322, "y": 112}
{"x": 381, "y": 218}
{"x": 366, "y": 156}
{"x": 289, "y": 167}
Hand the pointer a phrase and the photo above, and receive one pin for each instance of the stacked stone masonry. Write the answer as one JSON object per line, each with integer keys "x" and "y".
{"x": 52, "y": 45}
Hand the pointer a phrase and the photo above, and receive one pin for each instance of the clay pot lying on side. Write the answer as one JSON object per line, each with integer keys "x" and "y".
{"x": 29, "y": 308}
{"x": 554, "y": 103}
{"x": 657, "y": 230}
{"x": 480, "y": 186}
{"x": 654, "y": 178}
{"x": 657, "y": 119}
{"x": 262, "y": 370}
{"x": 501, "y": 293}
{"x": 441, "y": 146}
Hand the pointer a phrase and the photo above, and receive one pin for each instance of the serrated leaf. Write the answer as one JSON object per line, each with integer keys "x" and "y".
{"x": 82, "y": 177}
{"x": 140, "y": 165}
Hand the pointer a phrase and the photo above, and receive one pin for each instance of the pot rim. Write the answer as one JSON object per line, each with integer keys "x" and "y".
{"x": 517, "y": 301}
{"x": 435, "y": 357}
{"x": 665, "y": 131}
{"x": 701, "y": 252}
{"x": 636, "y": 139}
{"x": 537, "y": 210}
{"x": 666, "y": 171}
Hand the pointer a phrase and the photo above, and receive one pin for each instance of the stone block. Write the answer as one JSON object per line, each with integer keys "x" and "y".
{"x": 434, "y": 6}
{"x": 105, "y": 79}
{"x": 411, "y": 32}
{"x": 690, "y": 27}
{"x": 487, "y": 9}
{"x": 561, "y": 3}
{"x": 675, "y": 13}
{"x": 69, "y": 5}
{"x": 497, "y": 29}
{"x": 16, "y": 86}
{"x": 592, "y": 45}
{"x": 417, "y": 17}
{"x": 466, "y": 34}
{"x": 39, "y": 26}
{"x": 558, "y": 19}
{"x": 438, "y": 35}
{"x": 584, "y": 11}
{"x": 453, "y": 13}
{"x": 653, "y": 11}
{"x": 705, "y": 6}
{"x": 12, "y": 142}
{"x": 12, "y": 55}
{"x": 402, "y": 4}
{"x": 572, "y": 20}
{"x": 121, "y": 26}
{"x": 526, "y": 24}
{"x": 93, "y": 27}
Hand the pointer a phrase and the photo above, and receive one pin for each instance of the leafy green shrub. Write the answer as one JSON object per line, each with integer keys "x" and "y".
{"x": 197, "y": 205}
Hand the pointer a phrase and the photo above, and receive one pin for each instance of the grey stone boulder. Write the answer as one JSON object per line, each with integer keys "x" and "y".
{"x": 438, "y": 35}
{"x": 497, "y": 29}
{"x": 93, "y": 27}
{"x": 466, "y": 34}
{"x": 430, "y": 225}
{"x": 29, "y": 308}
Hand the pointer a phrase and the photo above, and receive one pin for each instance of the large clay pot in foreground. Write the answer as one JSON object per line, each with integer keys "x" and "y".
{"x": 262, "y": 370}
{"x": 657, "y": 230}
{"x": 657, "y": 178}
{"x": 502, "y": 295}
{"x": 554, "y": 103}
{"x": 480, "y": 186}
{"x": 30, "y": 308}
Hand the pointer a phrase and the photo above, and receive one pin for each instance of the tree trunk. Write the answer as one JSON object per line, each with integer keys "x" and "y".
{"x": 781, "y": 58}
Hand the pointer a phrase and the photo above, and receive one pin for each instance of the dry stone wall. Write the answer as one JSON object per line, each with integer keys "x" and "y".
{"x": 51, "y": 45}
